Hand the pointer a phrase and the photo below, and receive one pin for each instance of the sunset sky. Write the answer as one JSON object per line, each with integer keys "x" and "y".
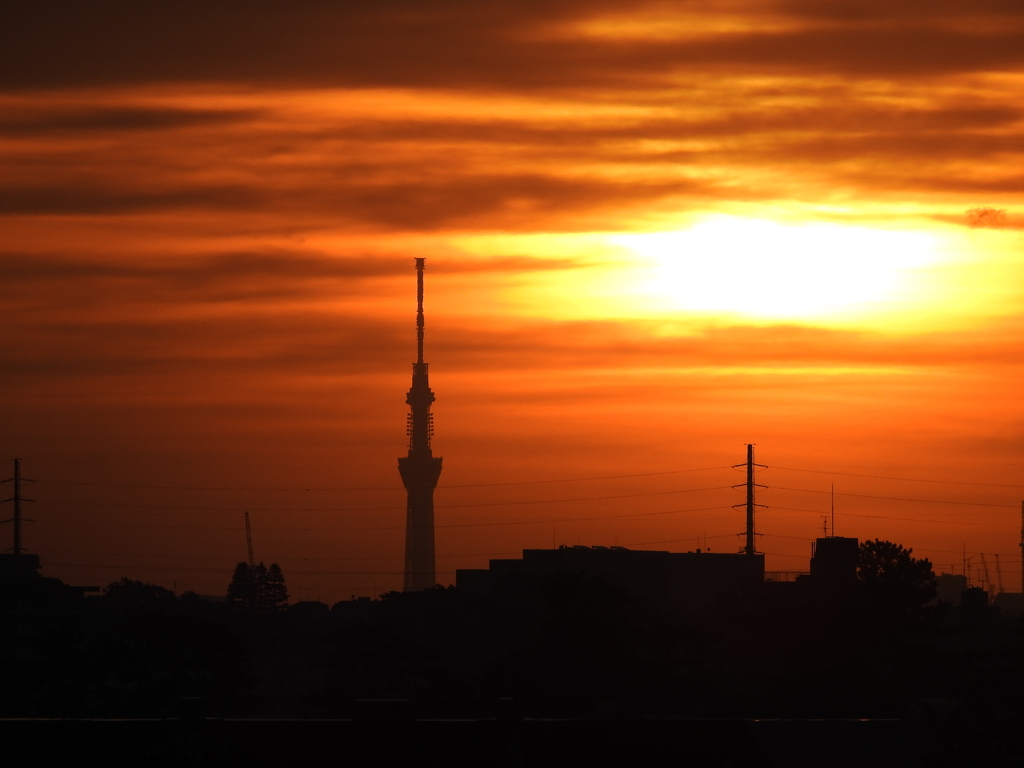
{"x": 654, "y": 233}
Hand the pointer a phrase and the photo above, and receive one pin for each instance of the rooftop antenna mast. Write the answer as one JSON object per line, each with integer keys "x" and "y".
{"x": 986, "y": 582}
{"x": 833, "y": 510}
{"x": 248, "y": 538}
{"x": 17, "y": 499}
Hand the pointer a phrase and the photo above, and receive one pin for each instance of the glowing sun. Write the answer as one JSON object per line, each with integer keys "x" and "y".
{"x": 756, "y": 268}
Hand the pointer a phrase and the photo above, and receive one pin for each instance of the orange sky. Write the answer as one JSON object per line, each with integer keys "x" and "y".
{"x": 654, "y": 233}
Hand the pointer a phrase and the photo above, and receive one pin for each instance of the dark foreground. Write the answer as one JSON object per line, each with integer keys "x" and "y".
{"x": 503, "y": 742}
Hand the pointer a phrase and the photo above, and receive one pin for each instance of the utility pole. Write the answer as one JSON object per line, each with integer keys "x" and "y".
{"x": 986, "y": 582}
{"x": 17, "y": 499}
{"x": 750, "y": 485}
{"x": 999, "y": 576}
{"x": 248, "y": 538}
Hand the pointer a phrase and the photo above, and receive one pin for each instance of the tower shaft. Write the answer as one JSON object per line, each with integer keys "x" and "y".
{"x": 16, "y": 499}
{"x": 420, "y": 469}
{"x": 750, "y": 504}
{"x": 750, "y": 549}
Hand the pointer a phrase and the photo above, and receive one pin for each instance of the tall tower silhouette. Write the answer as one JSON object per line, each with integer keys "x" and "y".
{"x": 420, "y": 469}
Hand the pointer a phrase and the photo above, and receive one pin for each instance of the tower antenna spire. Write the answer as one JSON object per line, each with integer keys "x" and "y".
{"x": 419, "y": 310}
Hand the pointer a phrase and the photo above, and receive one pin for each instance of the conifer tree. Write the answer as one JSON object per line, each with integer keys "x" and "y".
{"x": 258, "y": 589}
{"x": 241, "y": 590}
{"x": 259, "y": 581}
{"x": 275, "y": 594}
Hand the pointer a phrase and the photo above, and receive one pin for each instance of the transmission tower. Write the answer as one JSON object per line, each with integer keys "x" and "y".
{"x": 16, "y": 499}
{"x": 750, "y": 485}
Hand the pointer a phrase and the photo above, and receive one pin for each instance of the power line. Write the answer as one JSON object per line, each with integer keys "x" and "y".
{"x": 691, "y": 538}
{"x": 390, "y": 527}
{"x": 901, "y": 519}
{"x": 369, "y": 488}
{"x": 179, "y": 569}
{"x": 901, "y": 479}
{"x": 899, "y": 498}
{"x": 229, "y": 558}
{"x": 380, "y": 509}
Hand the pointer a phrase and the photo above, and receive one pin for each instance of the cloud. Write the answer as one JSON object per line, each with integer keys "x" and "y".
{"x": 29, "y": 122}
{"x": 578, "y": 165}
{"x": 118, "y": 291}
{"x": 338, "y": 194}
{"x": 987, "y": 218}
{"x": 486, "y": 45}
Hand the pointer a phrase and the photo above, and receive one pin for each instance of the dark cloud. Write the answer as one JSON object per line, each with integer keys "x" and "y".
{"x": 510, "y": 172}
{"x": 254, "y": 280}
{"x": 463, "y": 44}
{"x": 85, "y": 196}
{"x": 260, "y": 336}
{"x": 32, "y": 123}
{"x": 579, "y": 138}
{"x": 339, "y": 195}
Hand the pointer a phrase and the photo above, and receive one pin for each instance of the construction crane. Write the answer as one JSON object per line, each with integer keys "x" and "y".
{"x": 248, "y": 538}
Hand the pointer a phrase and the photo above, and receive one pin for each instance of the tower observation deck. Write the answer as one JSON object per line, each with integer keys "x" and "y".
{"x": 420, "y": 469}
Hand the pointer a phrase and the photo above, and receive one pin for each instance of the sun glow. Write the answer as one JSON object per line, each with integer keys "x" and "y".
{"x": 764, "y": 269}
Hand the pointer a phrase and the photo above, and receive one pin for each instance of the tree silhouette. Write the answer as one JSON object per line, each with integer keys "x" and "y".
{"x": 275, "y": 594}
{"x": 259, "y": 582}
{"x": 893, "y": 575}
{"x": 242, "y": 589}
{"x": 257, "y": 589}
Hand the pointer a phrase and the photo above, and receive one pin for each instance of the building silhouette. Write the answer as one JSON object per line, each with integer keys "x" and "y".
{"x": 834, "y": 559}
{"x": 664, "y": 580}
{"x": 420, "y": 469}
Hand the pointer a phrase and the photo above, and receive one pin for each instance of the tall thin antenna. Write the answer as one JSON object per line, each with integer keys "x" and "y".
{"x": 833, "y": 510}
{"x": 419, "y": 310}
{"x": 248, "y": 539}
{"x": 17, "y": 499}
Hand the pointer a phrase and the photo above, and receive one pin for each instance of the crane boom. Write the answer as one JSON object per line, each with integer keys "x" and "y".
{"x": 248, "y": 538}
